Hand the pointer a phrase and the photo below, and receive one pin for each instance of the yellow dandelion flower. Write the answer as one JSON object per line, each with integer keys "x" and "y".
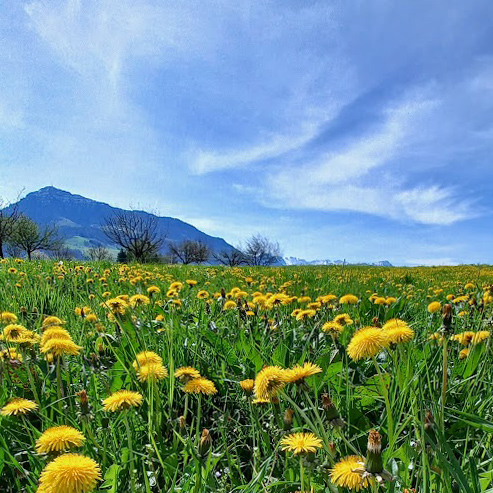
{"x": 247, "y": 385}
{"x": 12, "y": 332}
{"x": 305, "y": 314}
{"x": 191, "y": 282}
{"x": 153, "y": 290}
{"x": 268, "y": 381}
{"x": 298, "y": 373}
{"x": 202, "y": 294}
{"x": 51, "y": 320}
{"x": 464, "y": 353}
{"x": 10, "y": 353}
{"x": 301, "y": 443}
{"x": 70, "y": 473}
{"x": 332, "y": 327}
{"x": 345, "y": 474}
{"x": 379, "y": 301}
{"x": 398, "y": 331}
{"x": 117, "y": 305}
{"x": 463, "y": 338}
{"x": 200, "y": 385}
{"x": 91, "y": 318}
{"x": 367, "y": 342}
{"x": 259, "y": 401}
{"x": 61, "y": 347}
{"x": 186, "y": 373}
{"x": 348, "y": 299}
{"x": 146, "y": 358}
{"x": 55, "y": 332}
{"x": 152, "y": 372}
{"x": 17, "y": 406}
{"x": 59, "y": 438}
{"x": 121, "y": 400}
{"x": 139, "y": 300}
{"x": 28, "y": 338}
{"x": 7, "y": 317}
{"x": 434, "y": 306}
{"x": 229, "y": 305}
{"x": 343, "y": 319}
{"x": 480, "y": 336}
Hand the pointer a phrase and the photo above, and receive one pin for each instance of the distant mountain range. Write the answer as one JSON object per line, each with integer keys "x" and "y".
{"x": 79, "y": 221}
{"x": 301, "y": 261}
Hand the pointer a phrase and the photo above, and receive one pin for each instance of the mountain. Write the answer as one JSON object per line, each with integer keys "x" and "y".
{"x": 79, "y": 221}
{"x": 301, "y": 261}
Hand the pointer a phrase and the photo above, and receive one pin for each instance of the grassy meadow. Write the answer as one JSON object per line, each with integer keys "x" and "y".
{"x": 245, "y": 379}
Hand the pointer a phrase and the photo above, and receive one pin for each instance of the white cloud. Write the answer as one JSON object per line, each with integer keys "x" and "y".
{"x": 208, "y": 161}
{"x": 346, "y": 180}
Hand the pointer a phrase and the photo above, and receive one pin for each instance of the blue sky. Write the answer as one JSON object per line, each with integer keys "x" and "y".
{"x": 343, "y": 129}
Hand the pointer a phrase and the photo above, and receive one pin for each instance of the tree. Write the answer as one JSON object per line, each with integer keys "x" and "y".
{"x": 260, "y": 250}
{"x": 29, "y": 237}
{"x": 99, "y": 253}
{"x": 232, "y": 258}
{"x": 9, "y": 214}
{"x": 136, "y": 232}
{"x": 190, "y": 251}
{"x": 122, "y": 257}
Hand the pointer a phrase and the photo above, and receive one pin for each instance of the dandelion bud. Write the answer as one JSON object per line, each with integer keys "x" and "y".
{"x": 183, "y": 425}
{"x": 288, "y": 419}
{"x": 223, "y": 293}
{"x": 429, "y": 421}
{"x": 205, "y": 443}
{"x": 333, "y": 447}
{"x": 84, "y": 402}
{"x": 23, "y": 309}
{"x": 376, "y": 323}
{"x": 374, "y": 462}
{"x": 447, "y": 317}
{"x": 331, "y": 412}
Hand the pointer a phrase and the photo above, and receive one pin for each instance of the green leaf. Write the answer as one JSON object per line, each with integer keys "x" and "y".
{"x": 111, "y": 478}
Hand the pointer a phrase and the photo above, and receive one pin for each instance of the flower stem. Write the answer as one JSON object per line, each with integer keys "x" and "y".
{"x": 302, "y": 474}
{"x": 130, "y": 449}
{"x": 390, "y": 420}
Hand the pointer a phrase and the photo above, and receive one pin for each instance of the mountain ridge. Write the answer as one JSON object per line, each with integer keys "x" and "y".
{"x": 79, "y": 220}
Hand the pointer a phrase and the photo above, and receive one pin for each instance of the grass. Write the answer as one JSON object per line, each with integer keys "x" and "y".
{"x": 156, "y": 447}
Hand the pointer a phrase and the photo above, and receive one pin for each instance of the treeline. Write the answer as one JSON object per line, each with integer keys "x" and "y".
{"x": 137, "y": 236}
{"x": 140, "y": 240}
{"x": 20, "y": 235}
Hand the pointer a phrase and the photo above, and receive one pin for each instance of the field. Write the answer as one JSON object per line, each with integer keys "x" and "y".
{"x": 404, "y": 405}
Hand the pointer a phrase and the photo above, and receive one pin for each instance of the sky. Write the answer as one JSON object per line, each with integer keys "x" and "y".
{"x": 358, "y": 130}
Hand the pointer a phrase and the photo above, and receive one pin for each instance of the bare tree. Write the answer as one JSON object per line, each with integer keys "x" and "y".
{"x": 190, "y": 251}
{"x": 137, "y": 233}
{"x": 260, "y": 250}
{"x": 29, "y": 237}
{"x": 232, "y": 258}
{"x": 61, "y": 252}
{"x": 9, "y": 214}
{"x": 99, "y": 253}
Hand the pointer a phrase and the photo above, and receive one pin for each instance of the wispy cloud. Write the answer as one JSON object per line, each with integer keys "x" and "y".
{"x": 361, "y": 175}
